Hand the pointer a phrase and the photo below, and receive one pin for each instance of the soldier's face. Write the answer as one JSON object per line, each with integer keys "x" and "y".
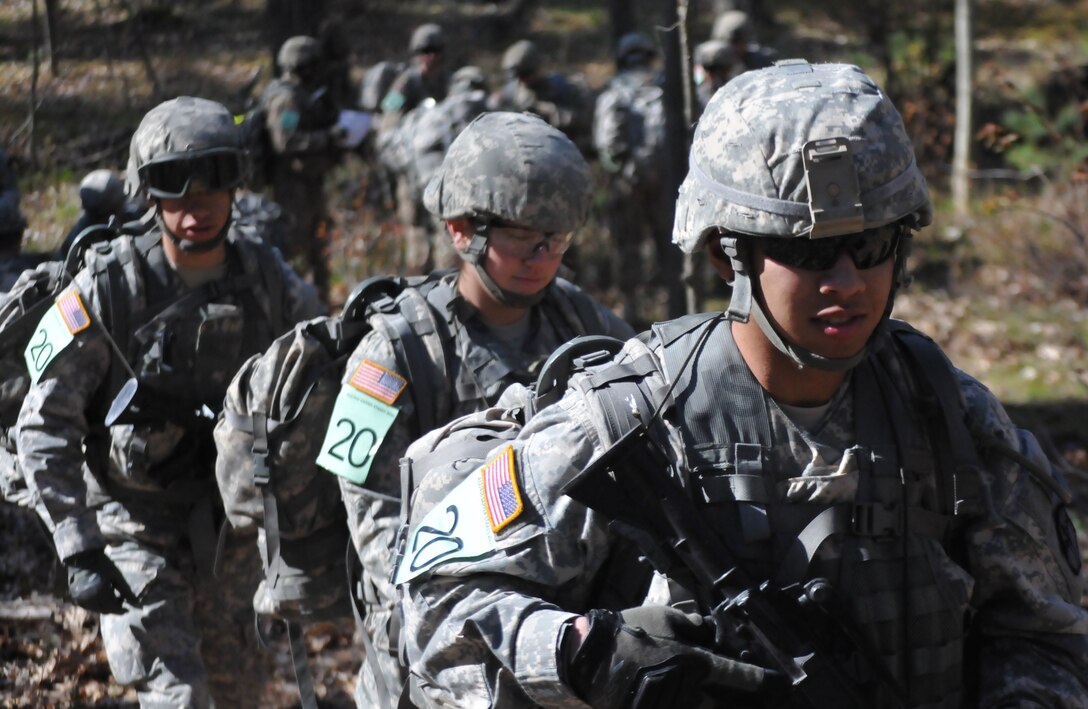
{"x": 198, "y": 216}
{"x": 525, "y": 271}
{"x": 831, "y": 312}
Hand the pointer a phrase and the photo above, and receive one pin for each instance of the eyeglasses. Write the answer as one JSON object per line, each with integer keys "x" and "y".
{"x": 524, "y": 242}
{"x": 429, "y": 50}
{"x": 173, "y": 176}
{"x": 867, "y": 249}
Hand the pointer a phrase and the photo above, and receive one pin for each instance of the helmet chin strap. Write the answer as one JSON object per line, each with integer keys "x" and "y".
{"x": 476, "y": 254}
{"x": 188, "y": 245}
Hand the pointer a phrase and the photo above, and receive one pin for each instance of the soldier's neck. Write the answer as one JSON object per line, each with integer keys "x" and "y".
{"x": 781, "y": 377}
{"x": 491, "y": 312}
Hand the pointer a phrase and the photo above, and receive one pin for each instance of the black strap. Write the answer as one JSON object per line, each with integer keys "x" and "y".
{"x": 355, "y": 593}
{"x": 300, "y": 661}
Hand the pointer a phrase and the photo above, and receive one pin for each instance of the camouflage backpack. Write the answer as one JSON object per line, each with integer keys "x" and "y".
{"x": 270, "y": 411}
{"x": 629, "y": 129}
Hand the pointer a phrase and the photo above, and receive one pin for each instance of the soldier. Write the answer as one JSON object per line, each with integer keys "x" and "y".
{"x": 511, "y": 190}
{"x": 419, "y": 87}
{"x": 713, "y": 66}
{"x": 549, "y": 95}
{"x": 306, "y": 141}
{"x": 425, "y": 79}
{"x": 822, "y": 466}
{"x": 629, "y": 135}
{"x": 734, "y": 27}
{"x": 175, "y": 311}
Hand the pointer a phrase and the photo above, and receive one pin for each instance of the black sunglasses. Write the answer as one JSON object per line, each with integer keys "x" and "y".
{"x": 867, "y": 249}
{"x": 172, "y": 177}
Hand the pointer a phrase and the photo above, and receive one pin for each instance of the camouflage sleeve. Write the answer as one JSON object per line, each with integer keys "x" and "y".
{"x": 488, "y": 626}
{"x": 1032, "y": 630}
{"x": 50, "y": 431}
{"x": 373, "y": 508}
{"x": 283, "y": 119}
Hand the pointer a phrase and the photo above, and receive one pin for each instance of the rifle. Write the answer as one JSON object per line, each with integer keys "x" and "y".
{"x": 634, "y": 485}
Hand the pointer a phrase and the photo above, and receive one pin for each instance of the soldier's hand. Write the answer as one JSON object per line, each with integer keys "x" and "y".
{"x": 95, "y": 583}
{"x": 656, "y": 656}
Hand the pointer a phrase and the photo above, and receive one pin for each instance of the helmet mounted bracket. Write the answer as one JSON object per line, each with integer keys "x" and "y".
{"x": 834, "y": 196}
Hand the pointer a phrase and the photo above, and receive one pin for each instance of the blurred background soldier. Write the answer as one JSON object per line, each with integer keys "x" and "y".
{"x": 426, "y": 78}
{"x": 528, "y": 87}
{"x": 418, "y": 88}
{"x": 734, "y": 27}
{"x": 426, "y": 134}
{"x": 713, "y": 64}
{"x": 306, "y": 141}
{"x": 12, "y": 225}
{"x": 629, "y": 136}
{"x": 170, "y": 315}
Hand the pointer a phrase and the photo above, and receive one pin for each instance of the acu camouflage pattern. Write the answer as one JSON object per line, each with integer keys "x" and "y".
{"x": 185, "y": 124}
{"x": 151, "y": 503}
{"x": 514, "y": 167}
{"x": 484, "y": 632}
{"x": 746, "y": 173}
{"x": 374, "y": 509}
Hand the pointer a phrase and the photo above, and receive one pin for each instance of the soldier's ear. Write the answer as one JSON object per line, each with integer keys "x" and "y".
{"x": 460, "y": 230}
{"x": 719, "y": 260}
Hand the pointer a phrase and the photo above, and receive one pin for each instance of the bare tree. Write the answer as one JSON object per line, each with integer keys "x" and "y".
{"x": 961, "y": 146}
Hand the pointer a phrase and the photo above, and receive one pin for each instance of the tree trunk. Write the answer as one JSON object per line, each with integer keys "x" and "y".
{"x": 961, "y": 146}
{"x": 52, "y": 36}
{"x": 676, "y": 143}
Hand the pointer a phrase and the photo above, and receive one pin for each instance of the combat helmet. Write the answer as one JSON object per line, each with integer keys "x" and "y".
{"x": 182, "y": 144}
{"x": 515, "y": 168}
{"x": 732, "y": 27}
{"x": 802, "y": 151}
{"x": 521, "y": 59}
{"x": 632, "y": 46}
{"x": 426, "y": 38}
{"x": 298, "y": 53}
{"x": 713, "y": 54}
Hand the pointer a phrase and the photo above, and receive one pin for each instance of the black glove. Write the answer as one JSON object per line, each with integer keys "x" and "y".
{"x": 95, "y": 583}
{"x": 656, "y": 656}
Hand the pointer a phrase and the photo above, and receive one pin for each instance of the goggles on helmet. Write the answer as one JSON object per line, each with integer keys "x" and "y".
{"x": 172, "y": 177}
{"x": 522, "y": 242}
{"x": 867, "y": 249}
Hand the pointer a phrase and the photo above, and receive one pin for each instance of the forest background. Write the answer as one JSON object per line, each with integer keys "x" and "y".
{"x": 1002, "y": 285}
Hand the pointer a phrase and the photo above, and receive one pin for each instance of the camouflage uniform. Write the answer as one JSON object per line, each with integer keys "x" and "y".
{"x": 301, "y": 117}
{"x": 549, "y": 95}
{"x": 413, "y": 93}
{"x": 486, "y": 627}
{"x": 423, "y": 135}
{"x": 629, "y": 130}
{"x": 151, "y": 505}
{"x": 12, "y": 224}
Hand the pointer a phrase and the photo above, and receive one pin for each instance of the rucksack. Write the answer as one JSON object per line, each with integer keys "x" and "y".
{"x": 257, "y": 145}
{"x": 297, "y": 510}
{"x": 376, "y": 83}
{"x": 629, "y": 129}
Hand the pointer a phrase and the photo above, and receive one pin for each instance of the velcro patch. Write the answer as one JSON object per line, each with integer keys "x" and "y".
{"x": 502, "y": 499}
{"x": 73, "y": 313}
{"x": 377, "y": 381}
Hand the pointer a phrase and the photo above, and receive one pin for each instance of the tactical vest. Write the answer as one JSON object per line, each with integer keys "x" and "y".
{"x": 889, "y": 550}
{"x": 183, "y": 345}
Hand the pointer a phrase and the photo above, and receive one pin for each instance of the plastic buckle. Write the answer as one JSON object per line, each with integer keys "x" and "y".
{"x": 873, "y": 519}
{"x": 834, "y": 197}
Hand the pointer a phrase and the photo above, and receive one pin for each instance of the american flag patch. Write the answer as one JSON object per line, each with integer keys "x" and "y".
{"x": 378, "y": 381}
{"x": 500, "y": 490}
{"x": 72, "y": 312}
